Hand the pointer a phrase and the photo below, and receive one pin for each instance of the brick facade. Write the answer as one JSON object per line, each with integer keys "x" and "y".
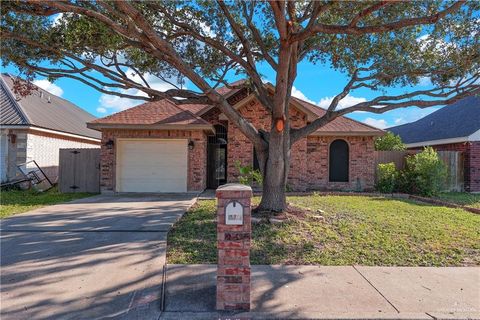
{"x": 361, "y": 163}
{"x": 471, "y": 165}
{"x": 309, "y": 156}
{"x": 197, "y": 158}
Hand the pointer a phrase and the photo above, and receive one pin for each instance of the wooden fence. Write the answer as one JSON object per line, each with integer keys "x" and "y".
{"x": 452, "y": 159}
{"x": 79, "y": 170}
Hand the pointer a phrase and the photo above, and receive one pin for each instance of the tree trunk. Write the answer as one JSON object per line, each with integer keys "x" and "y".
{"x": 275, "y": 173}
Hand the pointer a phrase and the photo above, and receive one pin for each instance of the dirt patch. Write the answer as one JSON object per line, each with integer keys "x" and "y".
{"x": 291, "y": 212}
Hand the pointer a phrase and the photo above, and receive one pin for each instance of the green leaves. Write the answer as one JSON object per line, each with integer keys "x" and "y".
{"x": 389, "y": 142}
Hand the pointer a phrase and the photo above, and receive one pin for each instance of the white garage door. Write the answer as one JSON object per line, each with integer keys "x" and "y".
{"x": 152, "y": 165}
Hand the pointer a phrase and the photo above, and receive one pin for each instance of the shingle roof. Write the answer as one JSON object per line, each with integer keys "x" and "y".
{"x": 457, "y": 120}
{"x": 340, "y": 124}
{"x": 10, "y": 112}
{"x": 157, "y": 112}
{"x": 163, "y": 111}
{"x": 43, "y": 109}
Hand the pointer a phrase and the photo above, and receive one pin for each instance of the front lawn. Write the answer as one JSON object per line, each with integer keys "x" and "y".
{"x": 462, "y": 198}
{"x": 16, "y": 201}
{"x": 342, "y": 230}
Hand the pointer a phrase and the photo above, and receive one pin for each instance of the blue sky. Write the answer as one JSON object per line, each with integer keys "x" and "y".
{"x": 315, "y": 83}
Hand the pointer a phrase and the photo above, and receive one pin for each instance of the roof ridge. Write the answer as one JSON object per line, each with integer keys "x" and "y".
{"x": 342, "y": 116}
{"x": 14, "y": 101}
{"x": 122, "y": 111}
{"x": 188, "y": 111}
{"x": 58, "y": 97}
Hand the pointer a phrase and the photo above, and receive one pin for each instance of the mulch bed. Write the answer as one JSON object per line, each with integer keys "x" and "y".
{"x": 444, "y": 203}
{"x": 377, "y": 194}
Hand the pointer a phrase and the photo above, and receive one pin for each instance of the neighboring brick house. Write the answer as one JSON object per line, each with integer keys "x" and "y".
{"x": 36, "y": 126}
{"x": 455, "y": 127}
{"x": 138, "y": 143}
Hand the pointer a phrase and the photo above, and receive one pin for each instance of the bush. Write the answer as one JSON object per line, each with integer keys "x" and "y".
{"x": 389, "y": 142}
{"x": 424, "y": 173}
{"x": 248, "y": 175}
{"x": 386, "y": 177}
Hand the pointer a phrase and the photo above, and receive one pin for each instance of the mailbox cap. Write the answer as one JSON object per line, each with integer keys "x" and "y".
{"x": 234, "y": 191}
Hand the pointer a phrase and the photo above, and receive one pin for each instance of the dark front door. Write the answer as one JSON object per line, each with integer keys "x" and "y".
{"x": 217, "y": 158}
{"x": 338, "y": 164}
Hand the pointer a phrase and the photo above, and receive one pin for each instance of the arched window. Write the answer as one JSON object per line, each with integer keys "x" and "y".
{"x": 338, "y": 162}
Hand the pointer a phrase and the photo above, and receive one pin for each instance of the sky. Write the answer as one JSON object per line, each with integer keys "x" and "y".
{"x": 317, "y": 84}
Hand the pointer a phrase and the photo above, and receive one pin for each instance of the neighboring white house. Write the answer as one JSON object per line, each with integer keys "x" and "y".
{"x": 36, "y": 126}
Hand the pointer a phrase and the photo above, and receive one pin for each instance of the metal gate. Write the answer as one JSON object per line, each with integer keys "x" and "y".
{"x": 217, "y": 158}
{"x": 79, "y": 170}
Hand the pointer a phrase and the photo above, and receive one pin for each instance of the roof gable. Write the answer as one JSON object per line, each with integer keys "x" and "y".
{"x": 340, "y": 124}
{"x": 45, "y": 110}
{"x": 168, "y": 113}
{"x": 162, "y": 112}
{"x": 457, "y": 120}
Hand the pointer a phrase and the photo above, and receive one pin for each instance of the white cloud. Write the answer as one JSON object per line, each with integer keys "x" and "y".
{"x": 56, "y": 19}
{"x": 438, "y": 46}
{"x": 399, "y": 121}
{"x": 378, "y": 123}
{"x": 48, "y": 86}
{"x": 299, "y": 94}
{"x": 424, "y": 81}
{"x": 346, "y": 102}
{"x": 113, "y": 103}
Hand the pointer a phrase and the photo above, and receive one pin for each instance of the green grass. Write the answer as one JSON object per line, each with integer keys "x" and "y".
{"x": 462, "y": 198}
{"x": 16, "y": 201}
{"x": 354, "y": 230}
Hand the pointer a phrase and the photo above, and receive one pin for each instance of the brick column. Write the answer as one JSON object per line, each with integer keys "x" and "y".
{"x": 233, "y": 235}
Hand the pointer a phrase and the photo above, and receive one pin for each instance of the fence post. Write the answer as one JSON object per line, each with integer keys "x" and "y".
{"x": 233, "y": 236}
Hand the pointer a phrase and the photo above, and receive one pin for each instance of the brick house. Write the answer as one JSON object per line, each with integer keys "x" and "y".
{"x": 36, "y": 127}
{"x": 161, "y": 147}
{"x": 455, "y": 127}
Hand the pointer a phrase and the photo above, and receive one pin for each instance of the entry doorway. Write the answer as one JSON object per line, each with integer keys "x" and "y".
{"x": 217, "y": 157}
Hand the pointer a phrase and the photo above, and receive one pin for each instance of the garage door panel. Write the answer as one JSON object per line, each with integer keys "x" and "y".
{"x": 152, "y": 165}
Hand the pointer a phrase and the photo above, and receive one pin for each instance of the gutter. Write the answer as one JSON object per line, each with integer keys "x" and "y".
{"x": 100, "y": 126}
{"x": 39, "y": 129}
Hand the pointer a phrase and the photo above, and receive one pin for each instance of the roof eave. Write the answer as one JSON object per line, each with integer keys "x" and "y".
{"x": 48, "y": 130}
{"x": 101, "y": 126}
{"x": 348, "y": 133}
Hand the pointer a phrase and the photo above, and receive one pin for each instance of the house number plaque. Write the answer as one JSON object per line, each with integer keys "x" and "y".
{"x": 234, "y": 213}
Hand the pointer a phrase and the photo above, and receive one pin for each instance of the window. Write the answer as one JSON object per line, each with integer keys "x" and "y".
{"x": 338, "y": 161}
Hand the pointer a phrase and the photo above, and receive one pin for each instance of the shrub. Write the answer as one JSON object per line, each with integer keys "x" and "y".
{"x": 248, "y": 175}
{"x": 389, "y": 142}
{"x": 424, "y": 174}
{"x": 386, "y": 177}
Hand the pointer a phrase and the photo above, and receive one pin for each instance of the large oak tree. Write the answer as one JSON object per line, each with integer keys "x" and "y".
{"x": 378, "y": 44}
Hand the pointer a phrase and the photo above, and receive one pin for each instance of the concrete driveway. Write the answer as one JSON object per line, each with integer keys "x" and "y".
{"x": 93, "y": 258}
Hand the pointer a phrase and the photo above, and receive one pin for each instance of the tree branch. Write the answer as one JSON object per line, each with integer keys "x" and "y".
{"x": 386, "y": 27}
{"x": 443, "y": 95}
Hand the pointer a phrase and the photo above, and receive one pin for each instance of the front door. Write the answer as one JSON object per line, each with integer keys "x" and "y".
{"x": 217, "y": 158}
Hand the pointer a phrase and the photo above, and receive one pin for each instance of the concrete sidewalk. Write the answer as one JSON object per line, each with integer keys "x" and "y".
{"x": 318, "y": 292}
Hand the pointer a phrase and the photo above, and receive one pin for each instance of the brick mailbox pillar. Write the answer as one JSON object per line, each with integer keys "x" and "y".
{"x": 233, "y": 235}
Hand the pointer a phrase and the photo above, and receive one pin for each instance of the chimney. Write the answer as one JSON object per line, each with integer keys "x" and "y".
{"x": 48, "y": 100}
